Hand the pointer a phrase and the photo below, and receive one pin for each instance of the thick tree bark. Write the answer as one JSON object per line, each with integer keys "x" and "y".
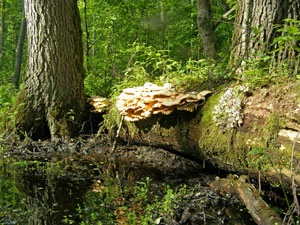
{"x": 254, "y": 27}
{"x": 53, "y": 88}
{"x": 206, "y": 29}
{"x": 19, "y": 52}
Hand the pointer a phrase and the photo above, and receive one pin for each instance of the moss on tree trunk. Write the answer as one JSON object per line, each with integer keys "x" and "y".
{"x": 249, "y": 148}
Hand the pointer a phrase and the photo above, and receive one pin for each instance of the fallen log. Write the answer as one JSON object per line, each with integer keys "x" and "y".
{"x": 220, "y": 129}
{"x": 260, "y": 211}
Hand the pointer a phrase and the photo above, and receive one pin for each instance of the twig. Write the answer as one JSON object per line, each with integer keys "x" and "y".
{"x": 295, "y": 208}
{"x": 225, "y": 16}
{"x": 118, "y": 134}
{"x": 294, "y": 186}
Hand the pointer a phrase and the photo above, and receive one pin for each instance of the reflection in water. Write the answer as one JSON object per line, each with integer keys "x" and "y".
{"x": 47, "y": 197}
{"x": 57, "y": 193}
{"x": 51, "y": 199}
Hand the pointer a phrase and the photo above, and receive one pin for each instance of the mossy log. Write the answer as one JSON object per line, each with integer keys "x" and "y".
{"x": 264, "y": 138}
{"x": 259, "y": 210}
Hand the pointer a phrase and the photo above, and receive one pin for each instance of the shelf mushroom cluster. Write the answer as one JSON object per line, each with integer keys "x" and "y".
{"x": 141, "y": 102}
{"x": 99, "y": 104}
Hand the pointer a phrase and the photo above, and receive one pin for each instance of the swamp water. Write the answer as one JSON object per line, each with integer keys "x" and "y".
{"x": 72, "y": 191}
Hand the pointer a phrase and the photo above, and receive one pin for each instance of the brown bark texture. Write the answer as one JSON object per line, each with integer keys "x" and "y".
{"x": 53, "y": 87}
{"x": 259, "y": 210}
{"x": 255, "y": 27}
{"x": 205, "y": 28}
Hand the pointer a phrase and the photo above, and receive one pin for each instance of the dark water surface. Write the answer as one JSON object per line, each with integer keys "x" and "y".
{"x": 69, "y": 192}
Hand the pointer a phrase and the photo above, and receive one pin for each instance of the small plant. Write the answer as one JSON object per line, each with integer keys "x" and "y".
{"x": 141, "y": 191}
{"x": 288, "y": 41}
{"x": 126, "y": 207}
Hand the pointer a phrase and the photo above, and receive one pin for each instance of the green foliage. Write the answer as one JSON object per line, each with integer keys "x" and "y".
{"x": 12, "y": 16}
{"x": 290, "y": 35}
{"x": 280, "y": 61}
{"x": 11, "y": 199}
{"x": 287, "y": 48}
{"x": 141, "y": 191}
{"x": 148, "y": 64}
{"x": 7, "y": 99}
{"x": 110, "y": 26}
{"x": 259, "y": 158}
{"x": 129, "y": 42}
{"x": 137, "y": 208}
{"x": 224, "y": 29}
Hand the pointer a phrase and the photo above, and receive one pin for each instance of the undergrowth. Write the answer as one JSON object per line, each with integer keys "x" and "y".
{"x": 7, "y": 98}
{"x": 111, "y": 204}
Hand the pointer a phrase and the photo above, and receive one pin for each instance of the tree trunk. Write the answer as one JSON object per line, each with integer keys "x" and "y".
{"x": 87, "y": 34}
{"x": 53, "y": 87}
{"x": 19, "y": 52}
{"x": 288, "y": 56}
{"x": 254, "y": 27}
{"x": 206, "y": 29}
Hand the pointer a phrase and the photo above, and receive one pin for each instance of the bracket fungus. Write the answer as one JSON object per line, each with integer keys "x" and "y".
{"x": 141, "y": 102}
{"x": 98, "y": 103}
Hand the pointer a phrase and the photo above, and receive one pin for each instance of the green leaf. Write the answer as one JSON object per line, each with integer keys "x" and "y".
{"x": 256, "y": 151}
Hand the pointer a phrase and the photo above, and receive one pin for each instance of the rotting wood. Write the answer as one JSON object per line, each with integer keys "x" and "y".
{"x": 196, "y": 135}
{"x": 260, "y": 211}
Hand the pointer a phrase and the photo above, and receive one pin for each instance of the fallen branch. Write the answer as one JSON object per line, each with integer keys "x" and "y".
{"x": 118, "y": 134}
{"x": 261, "y": 213}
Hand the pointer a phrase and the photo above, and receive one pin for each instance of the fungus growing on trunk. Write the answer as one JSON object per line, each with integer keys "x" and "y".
{"x": 99, "y": 104}
{"x": 141, "y": 102}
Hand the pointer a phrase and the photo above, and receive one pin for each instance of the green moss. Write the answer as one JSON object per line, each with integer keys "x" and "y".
{"x": 273, "y": 124}
{"x": 241, "y": 147}
{"x": 213, "y": 141}
{"x": 233, "y": 146}
{"x": 266, "y": 140}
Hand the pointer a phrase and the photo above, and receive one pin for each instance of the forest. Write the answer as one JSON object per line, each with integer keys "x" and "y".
{"x": 96, "y": 85}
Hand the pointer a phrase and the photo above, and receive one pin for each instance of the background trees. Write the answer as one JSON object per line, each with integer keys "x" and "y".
{"x": 126, "y": 43}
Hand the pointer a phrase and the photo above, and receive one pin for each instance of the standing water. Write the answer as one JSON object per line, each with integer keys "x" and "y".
{"x": 92, "y": 190}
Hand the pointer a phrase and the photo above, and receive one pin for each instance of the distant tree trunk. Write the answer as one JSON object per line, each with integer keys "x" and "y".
{"x": 206, "y": 29}
{"x": 53, "y": 86}
{"x": 87, "y": 33}
{"x": 254, "y": 27}
{"x": 2, "y": 22}
{"x": 19, "y": 52}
